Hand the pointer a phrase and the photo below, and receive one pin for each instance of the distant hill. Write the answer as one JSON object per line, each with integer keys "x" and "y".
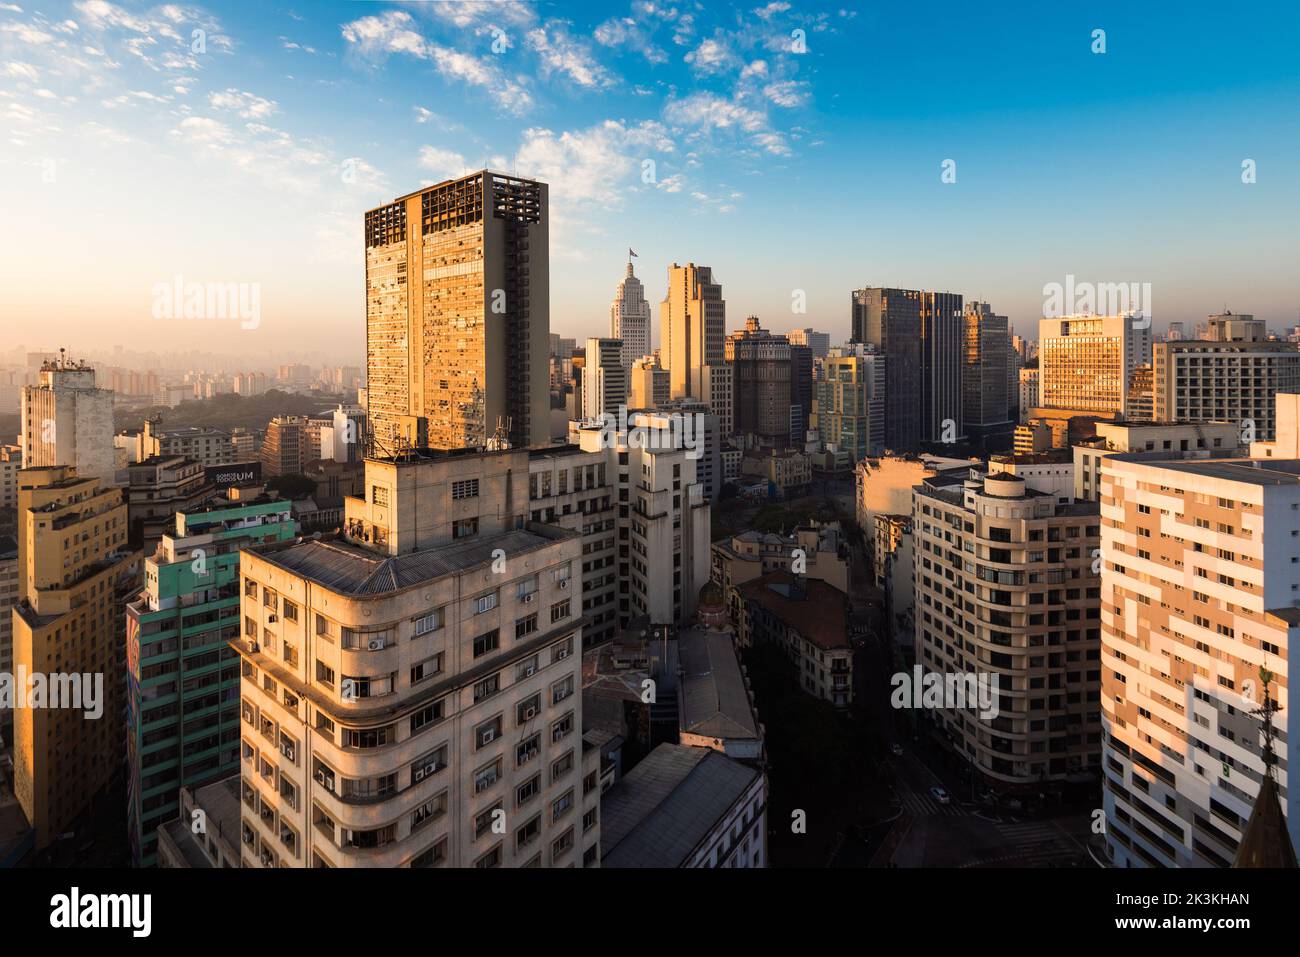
{"x": 231, "y": 411}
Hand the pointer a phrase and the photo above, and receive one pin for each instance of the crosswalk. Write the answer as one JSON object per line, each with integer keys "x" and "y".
{"x": 924, "y": 805}
{"x": 1032, "y": 845}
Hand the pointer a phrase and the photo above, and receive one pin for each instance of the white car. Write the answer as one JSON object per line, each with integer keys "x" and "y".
{"x": 940, "y": 795}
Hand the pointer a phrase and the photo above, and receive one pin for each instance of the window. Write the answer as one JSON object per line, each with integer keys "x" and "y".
{"x": 487, "y": 687}
{"x": 483, "y": 820}
{"x": 527, "y": 588}
{"x": 560, "y": 611}
{"x": 429, "y": 765}
{"x": 378, "y": 495}
{"x": 430, "y": 622}
{"x": 429, "y": 714}
{"x": 528, "y": 749}
{"x": 562, "y": 805}
{"x": 562, "y": 767}
{"x": 426, "y": 669}
{"x": 365, "y": 738}
{"x": 464, "y": 528}
{"x": 528, "y": 790}
{"x": 562, "y": 728}
{"x": 464, "y": 489}
{"x": 561, "y": 689}
{"x": 324, "y": 674}
{"x": 589, "y": 820}
{"x": 562, "y": 649}
{"x": 525, "y": 626}
{"x": 487, "y": 732}
{"x": 487, "y": 643}
{"x": 430, "y": 810}
{"x": 529, "y": 832}
{"x": 485, "y": 603}
{"x": 528, "y": 709}
{"x": 491, "y": 859}
{"x": 290, "y": 611}
{"x": 487, "y": 776}
{"x": 562, "y": 844}
{"x": 433, "y": 856}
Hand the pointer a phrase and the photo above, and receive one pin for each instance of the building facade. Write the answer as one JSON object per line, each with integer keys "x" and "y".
{"x": 446, "y": 365}
{"x": 762, "y": 384}
{"x": 890, "y": 319}
{"x": 629, "y": 318}
{"x": 692, "y": 327}
{"x": 67, "y": 420}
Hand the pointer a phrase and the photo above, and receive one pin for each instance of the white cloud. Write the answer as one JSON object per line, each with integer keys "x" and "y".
{"x": 23, "y": 71}
{"x": 560, "y": 52}
{"x": 711, "y": 56}
{"x": 787, "y": 93}
{"x": 442, "y": 164}
{"x": 705, "y": 113}
{"x": 31, "y": 35}
{"x": 771, "y": 10}
{"x": 247, "y": 105}
{"x": 590, "y": 167}
{"x": 375, "y": 37}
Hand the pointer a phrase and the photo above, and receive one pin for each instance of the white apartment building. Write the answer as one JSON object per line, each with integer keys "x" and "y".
{"x": 1230, "y": 379}
{"x": 1028, "y": 393}
{"x": 1005, "y": 588}
{"x": 1200, "y": 590}
{"x": 604, "y": 379}
{"x": 67, "y": 420}
{"x": 411, "y": 691}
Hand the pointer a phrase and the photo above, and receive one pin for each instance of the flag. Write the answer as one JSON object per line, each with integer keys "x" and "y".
{"x": 630, "y": 253}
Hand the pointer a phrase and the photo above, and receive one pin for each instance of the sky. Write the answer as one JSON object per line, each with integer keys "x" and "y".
{"x": 800, "y": 150}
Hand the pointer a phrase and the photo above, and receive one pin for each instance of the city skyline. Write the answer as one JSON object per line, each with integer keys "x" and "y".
{"x": 1090, "y": 171}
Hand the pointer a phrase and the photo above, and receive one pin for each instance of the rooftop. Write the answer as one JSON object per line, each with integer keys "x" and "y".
{"x": 818, "y": 610}
{"x": 714, "y": 698}
{"x": 1249, "y": 471}
{"x": 668, "y": 804}
{"x": 352, "y": 570}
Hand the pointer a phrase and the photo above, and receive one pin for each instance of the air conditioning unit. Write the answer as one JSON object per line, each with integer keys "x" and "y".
{"x": 530, "y": 713}
{"x": 527, "y": 599}
{"x": 323, "y": 779}
{"x": 489, "y": 735}
{"x": 530, "y": 670}
{"x": 424, "y": 772}
{"x": 559, "y": 655}
{"x": 287, "y": 751}
{"x": 564, "y": 583}
{"x": 375, "y": 644}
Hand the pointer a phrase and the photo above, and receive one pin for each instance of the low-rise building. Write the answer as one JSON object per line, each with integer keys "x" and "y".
{"x": 808, "y": 619}
{"x": 206, "y": 832}
{"x": 686, "y": 807}
{"x": 818, "y": 549}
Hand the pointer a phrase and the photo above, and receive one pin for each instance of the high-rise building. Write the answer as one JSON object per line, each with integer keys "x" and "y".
{"x": 761, "y": 383}
{"x": 468, "y": 349}
{"x": 1085, "y": 362}
{"x": 1028, "y": 393}
{"x": 182, "y": 677}
{"x": 156, "y": 489}
{"x": 67, "y": 420}
{"x": 985, "y": 403}
{"x": 629, "y": 318}
{"x": 801, "y": 392}
{"x": 1232, "y": 376}
{"x": 8, "y": 598}
{"x": 818, "y": 342}
{"x": 1198, "y": 596}
{"x": 76, "y": 573}
{"x": 719, "y": 394}
{"x": 344, "y": 439}
{"x": 890, "y": 320}
{"x": 692, "y": 327}
{"x": 11, "y": 460}
{"x": 604, "y": 378}
{"x": 851, "y": 402}
{"x": 1021, "y": 610}
{"x": 411, "y": 691}
{"x": 285, "y": 447}
{"x": 942, "y": 348}
{"x": 1167, "y": 439}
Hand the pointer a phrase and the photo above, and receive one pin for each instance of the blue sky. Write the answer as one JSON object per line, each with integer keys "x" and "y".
{"x": 785, "y": 160}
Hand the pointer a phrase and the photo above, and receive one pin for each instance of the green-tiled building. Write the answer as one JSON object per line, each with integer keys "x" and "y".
{"x": 182, "y": 679}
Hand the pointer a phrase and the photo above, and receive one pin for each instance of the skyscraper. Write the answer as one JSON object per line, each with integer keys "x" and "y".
{"x": 890, "y": 320}
{"x": 67, "y": 420}
{"x": 692, "y": 327}
{"x": 470, "y": 348}
{"x": 1085, "y": 362}
{"x": 76, "y": 573}
{"x": 985, "y": 403}
{"x": 818, "y": 342}
{"x": 629, "y": 318}
{"x": 942, "y": 334}
{"x": 760, "y": 369}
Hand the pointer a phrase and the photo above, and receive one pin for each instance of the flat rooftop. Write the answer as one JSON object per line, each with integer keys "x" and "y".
{"x": 1250, "y": 471}
{"x": 349, "y": 569}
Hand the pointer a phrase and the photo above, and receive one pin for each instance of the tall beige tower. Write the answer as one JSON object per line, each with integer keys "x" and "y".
{"x": 692, "y": 329}
{"x": 76, "y": 574}
{"x": 444, "y": 366}
{"x": 67, "y": 420}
